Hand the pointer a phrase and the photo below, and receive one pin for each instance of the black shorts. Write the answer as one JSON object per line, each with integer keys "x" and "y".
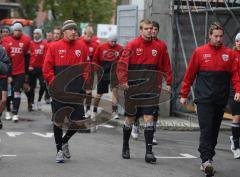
{"x": 103, "y": 87}
{"x": 235, "y": 106}
{"x": 3, "y": 84}
{"x": 18, "y": 81}
{"x": 140, "y": 111}
{"x": 76, "y": 115}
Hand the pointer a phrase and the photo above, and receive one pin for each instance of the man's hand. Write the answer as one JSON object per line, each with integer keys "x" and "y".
{"x": 30, "y": 68}
{"x": 237, "y": 97}
{"x": 169, "y": 88}
{"x": 183, "y": 101}
{"x": 124, "y": 86}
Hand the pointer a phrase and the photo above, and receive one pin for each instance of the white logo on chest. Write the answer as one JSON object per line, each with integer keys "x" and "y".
{"x": 225, "y": 57}
{"x": 78, "y": 53}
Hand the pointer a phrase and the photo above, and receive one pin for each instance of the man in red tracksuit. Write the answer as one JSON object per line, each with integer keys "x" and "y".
{"x": 60, "y": 56}
{"x": 145, "y": 56}
{"x": 92, "y": 46}
{"x": 213, "y": 65}
{"x": 168, "y": 76}
{"x": 17, "y": 46}
{"x": 105, "y": 56}
{"x": 38, "y": 49}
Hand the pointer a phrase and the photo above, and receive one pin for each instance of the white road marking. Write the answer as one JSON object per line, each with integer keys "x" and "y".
{"x": 106, "y": 126}
{"x": 47, "y": 135}
{"x": 183, "y": 156}
{"x": 14, "y": 134}
{"x": 7, "y": 155}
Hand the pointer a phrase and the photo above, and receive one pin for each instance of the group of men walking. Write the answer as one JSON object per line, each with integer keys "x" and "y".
{"x": 214, "y": 66}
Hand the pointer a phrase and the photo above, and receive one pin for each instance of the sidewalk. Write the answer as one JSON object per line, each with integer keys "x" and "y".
{"x": 180, "y": 122}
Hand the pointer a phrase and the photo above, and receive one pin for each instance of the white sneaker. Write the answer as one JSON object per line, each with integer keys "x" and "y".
{"x": 115, "y": 115}
{"x": 236, "y": 152}
{"x": 88, "y": 114}
{"x": 207, "y": 167}
{"x": 155, "y": 141}
{"x": 59, "y": 157}
{"x": 135, "y": 132}
{"x": 15, "y": 118}
{"x": 39, "y": 106}
{"x": 8, "y": 116}
{"x": 34, "y": 107}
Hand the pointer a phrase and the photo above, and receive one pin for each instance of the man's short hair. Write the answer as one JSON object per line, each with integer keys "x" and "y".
{"x": 215, "y": 26}
{"x": 155, "y": 24}
{"x": 57, "y": 28}
{"x": 144, "y": 21}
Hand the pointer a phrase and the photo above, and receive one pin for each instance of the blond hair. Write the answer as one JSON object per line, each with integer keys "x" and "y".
{"x": 144, "y": 21}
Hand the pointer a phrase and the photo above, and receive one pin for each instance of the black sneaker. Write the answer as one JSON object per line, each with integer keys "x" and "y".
{"x": 1, "y": 125}
{"x": 125, "y": 153}
{"x": 150, "y": 158}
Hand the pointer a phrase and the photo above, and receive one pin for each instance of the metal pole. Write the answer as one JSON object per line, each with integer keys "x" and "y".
{"x": 191, "y": 21}
{"x": 183, "y": 50}
{"x": 206, "y": 24}
{"x": 220, "y": 9}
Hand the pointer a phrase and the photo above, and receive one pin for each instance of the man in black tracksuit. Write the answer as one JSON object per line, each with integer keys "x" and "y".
{"x": 213, "y": 66}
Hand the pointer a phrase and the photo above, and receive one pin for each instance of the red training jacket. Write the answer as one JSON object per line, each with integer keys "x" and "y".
{"x": 213, "y": 69}
{"x": 37, "y": 51}
{"x": 16, "y": 50}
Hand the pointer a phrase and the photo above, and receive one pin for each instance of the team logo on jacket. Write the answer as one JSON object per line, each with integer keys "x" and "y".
{"x": 78, "y": 53}
{"x": 207, "y": 55}
{"x": 61, "y": 52}
{"x": 21, "y": 44}
{"x": 41, "y": 47}
{"x": 225, "y": 57}
{"x": 139, "y": 51}
{"x": 154, "y": 52}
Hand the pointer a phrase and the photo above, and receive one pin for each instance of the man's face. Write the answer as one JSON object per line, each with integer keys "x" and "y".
{"x": 36, "y": 36}
{"x": 49, "y": 36}
{"x": 237, "y": 43}
{"x": 56, "y": 34}
{"x": 154, "y": 32}
{"x": 17, "y": 33}
{"x": 216, "y": 38}
{"x": 70, "y": 34}
{"x": 112, "y": 42}
{"x": 146, "y": 31}
{"x": 5, "y": 32}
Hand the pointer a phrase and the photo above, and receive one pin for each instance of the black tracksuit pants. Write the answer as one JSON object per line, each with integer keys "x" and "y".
{"x": 210, "y": 117}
